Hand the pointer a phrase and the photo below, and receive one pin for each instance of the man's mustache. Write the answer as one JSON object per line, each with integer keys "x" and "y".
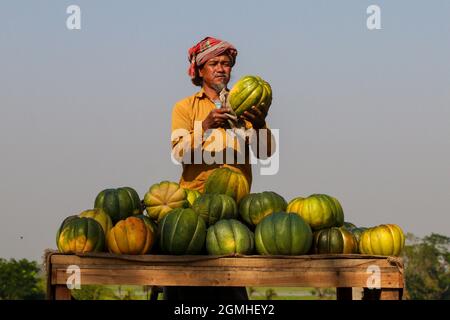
{"x": 217, "y": 75}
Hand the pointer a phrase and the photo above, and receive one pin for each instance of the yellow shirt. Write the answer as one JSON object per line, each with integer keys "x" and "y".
{"x": 184, "y": 115}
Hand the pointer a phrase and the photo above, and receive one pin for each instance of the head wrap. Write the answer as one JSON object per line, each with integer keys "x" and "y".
{"x": 206, "y": 49}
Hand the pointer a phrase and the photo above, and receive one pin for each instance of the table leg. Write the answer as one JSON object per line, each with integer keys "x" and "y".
{"x": 383, "y": 294}
{"x": 62, "y": 292}
{"x": 343, "y": 293}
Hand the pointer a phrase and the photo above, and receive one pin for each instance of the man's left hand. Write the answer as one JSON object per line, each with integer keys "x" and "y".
{"x": 256, "y": 116}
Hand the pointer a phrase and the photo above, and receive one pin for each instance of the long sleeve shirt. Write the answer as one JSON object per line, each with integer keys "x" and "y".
{"x": 187, "y": 134}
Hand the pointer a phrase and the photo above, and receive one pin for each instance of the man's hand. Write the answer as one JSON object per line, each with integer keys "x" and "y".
{"x": 256, "y": 116}
{"x": 216, "y": 118}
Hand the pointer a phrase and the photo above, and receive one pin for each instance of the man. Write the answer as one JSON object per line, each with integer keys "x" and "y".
{"x": 211, "y": 62}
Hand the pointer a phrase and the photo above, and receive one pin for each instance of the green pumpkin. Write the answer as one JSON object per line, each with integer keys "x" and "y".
{"x": 229, "y": 182}
{"x": 334, "y": 240}
{"x": 214, "y": 207}
{"x": 81, "y": 235}
{"x": 348, "y": 225}
{"x": 61, "y": 227}
{"x": 163, "y": 197}
{"x": 100, "y": 216}
{"x": 255, "y": 206}
{"x": 321, "y": 211}
{"x": 384, "y": 240}
{"x": 119, "y": 203}
{"x": 182, "y": 231}
{"x": 250, "y": 91}
{"x": 357, "y": 233}
{"x": 282, "y": 233}
{"x": 228, "y": 237}
{"x": 191, "y": 195}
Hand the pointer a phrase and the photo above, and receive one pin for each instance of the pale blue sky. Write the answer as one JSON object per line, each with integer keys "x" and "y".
{"x": 363, "y": 115}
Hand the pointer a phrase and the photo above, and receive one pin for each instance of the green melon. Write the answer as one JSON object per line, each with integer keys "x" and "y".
{"x": 81, "y": 235}
{"x": 214, "y": 207}
{"x": 119, "y": 203}
{"x": 228, "y": 237}
{"x": 282, "y": 233}
{"x": 227, "y": 181}
{"x": 182, "y": 231}
{"x": 321, "y": 211}
{"x": 334, "y": 240}
{"x": 255, "y": 206}
{"x": 250, "y": 91}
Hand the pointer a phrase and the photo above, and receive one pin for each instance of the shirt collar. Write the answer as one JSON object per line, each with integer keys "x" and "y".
{"x": 201, "y": 93}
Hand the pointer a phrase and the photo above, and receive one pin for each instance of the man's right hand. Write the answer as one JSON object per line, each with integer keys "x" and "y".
{"x": 216, "y": 118}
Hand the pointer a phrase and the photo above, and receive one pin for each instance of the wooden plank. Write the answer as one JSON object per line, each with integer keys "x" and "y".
{"x": 340, "y": 271}
{"x": 202, "y": 276}
{"x": 391, "y": 294}
{"x": 62, "y": 292}
{"x": 273, "y": 263}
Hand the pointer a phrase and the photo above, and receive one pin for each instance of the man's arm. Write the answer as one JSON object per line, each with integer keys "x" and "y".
{"x": 187, "y": 134}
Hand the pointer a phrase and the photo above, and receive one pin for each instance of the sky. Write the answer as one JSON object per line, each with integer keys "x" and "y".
{"x": 363, "y": 115}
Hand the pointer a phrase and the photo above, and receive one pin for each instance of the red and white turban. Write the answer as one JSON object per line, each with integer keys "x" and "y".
{"x": 206, "y": 49}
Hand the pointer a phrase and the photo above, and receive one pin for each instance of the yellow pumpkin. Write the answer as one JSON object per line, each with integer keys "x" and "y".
{"x": 163, "y": 197}
{"x": 100, "y": 216}
{"x": 384, "y": 240}
{"x": 130, "y": 236}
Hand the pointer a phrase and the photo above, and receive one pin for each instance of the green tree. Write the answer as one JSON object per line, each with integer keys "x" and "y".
{"x": 20, "y": 280}
{"x": 427, "y": 270}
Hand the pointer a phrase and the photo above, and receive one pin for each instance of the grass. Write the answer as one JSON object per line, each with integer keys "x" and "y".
{"x": 255, "y": 293}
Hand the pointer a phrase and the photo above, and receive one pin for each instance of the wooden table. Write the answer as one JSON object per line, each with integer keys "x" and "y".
{"x": 320, "y": 271}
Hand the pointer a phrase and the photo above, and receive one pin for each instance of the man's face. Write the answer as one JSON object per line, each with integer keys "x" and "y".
{"x": 216, "y": 72}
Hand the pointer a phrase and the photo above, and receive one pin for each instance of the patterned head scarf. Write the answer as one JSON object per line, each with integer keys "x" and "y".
{"x": 206, "y": 49}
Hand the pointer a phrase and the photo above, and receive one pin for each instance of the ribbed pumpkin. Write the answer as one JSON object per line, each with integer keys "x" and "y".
{"x": 81, "y": 235}
{"x": 163, "y": 197}
{"x": 61, "y": 227}
{"x": 282, "y": 233}
{"x": 214, "y": 207}
{"x": 250, "y": 91}
{"x": 348, "y": 225}
{"x": 229, "y": 236}
{"x": 334, "y": 240}
{"x": 149, "y": 222}
{"x": 229, "y": 182}
{"x": 319, "y": 210}
{"x": 384, "y": 240}
{"x": 154, "y": 228}
{"x": 119, "y": 203}
{"x": 182, "y": 231}
{"x": 130, "y": 236}
{"x": 255, "y": 206}
{"x": 191, "y": 195}
{"x": 357, "y": 233}
{"x": 101, "y": 217}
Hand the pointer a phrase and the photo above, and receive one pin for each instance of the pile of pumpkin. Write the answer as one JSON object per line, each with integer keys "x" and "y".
{"x": 226, "y": 219}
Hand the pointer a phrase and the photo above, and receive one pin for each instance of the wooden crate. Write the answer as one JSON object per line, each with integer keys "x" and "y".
{"x": 321, "y": 271}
